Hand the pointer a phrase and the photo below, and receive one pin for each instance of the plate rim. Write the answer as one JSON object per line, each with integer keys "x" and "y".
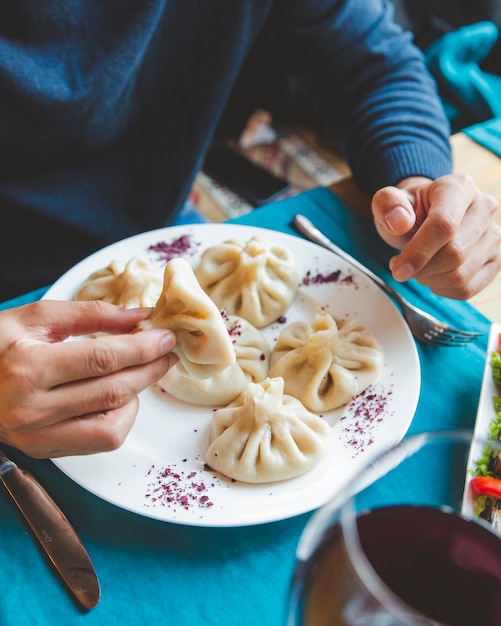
{"x": 171, "y": 231}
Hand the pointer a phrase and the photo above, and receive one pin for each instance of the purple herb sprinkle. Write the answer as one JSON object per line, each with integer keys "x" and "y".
{"x": 333, "y": 277}
{"x": 176, "y": 489}
{"x": 182, "y": 246}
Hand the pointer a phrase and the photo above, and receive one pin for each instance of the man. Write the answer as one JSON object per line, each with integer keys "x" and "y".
{"x": 106, "y": 113}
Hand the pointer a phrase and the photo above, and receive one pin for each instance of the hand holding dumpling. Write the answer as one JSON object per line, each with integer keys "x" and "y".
{"x": 61, "y": 397}
{"x": 203, "y": 344}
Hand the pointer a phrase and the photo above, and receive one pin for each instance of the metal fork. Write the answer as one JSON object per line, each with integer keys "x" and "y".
{"x": 423, "y": 326}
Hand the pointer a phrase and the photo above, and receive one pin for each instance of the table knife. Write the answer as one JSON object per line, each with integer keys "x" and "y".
{"x": 54, "y": 532}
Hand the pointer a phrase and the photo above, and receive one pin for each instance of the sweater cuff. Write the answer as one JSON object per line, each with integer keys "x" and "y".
{"x": 402, "y": 161}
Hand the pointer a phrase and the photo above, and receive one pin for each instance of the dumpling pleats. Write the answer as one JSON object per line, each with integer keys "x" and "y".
{"x": 203, "y": 344}
{"x": 256, "y": 280}
{"x": 132, "y": 284}
{"x": 252, "y": 364}
{"x": 266, "y": 436}
{"x": 326, "y": 363}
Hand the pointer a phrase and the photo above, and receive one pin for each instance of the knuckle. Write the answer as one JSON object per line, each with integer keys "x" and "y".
{"x": 18, "y": 364}
{"x": 101, "y": 360}
{"x": 15, "y": 421}
{"x": 96, "y": 307}
{"x": 465, "y": 179}
{"x": 445, "y": 226}
{"x": 456, "y": 254}
{"x": 459, "y": 180}
{"x": 117, "y": 394}
{"x": 463, "y": 289}
{"x": 19, "y": 415}
{"x": 111, "y": 435}
{"x": 465, "y": 292}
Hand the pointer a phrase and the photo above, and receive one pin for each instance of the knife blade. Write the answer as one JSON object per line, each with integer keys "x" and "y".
{"x": 56, "y": 535}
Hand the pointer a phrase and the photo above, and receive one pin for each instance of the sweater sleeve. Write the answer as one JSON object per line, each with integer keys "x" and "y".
{"x": 363, "y": 74}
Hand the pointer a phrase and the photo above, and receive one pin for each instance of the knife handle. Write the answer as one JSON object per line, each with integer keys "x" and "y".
{"x": 53, "y": 531}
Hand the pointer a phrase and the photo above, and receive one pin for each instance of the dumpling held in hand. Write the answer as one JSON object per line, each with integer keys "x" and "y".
{"x": 256, "y": 280}
{"x": 129, "y": 285}
{"x": 203, "y": 343}
{"x": 252, "y": 364}
{"x": 266, "y": 436}
{"x": 325, "y": 363}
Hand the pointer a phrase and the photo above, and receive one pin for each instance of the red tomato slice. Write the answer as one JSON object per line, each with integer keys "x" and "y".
{"x": 486, "y": 486}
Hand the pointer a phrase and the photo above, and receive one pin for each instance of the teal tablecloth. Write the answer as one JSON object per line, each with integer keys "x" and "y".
{"x": 156, "y": 573}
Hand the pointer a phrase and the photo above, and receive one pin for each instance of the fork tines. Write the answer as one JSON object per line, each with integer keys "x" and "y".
{"x": 451, "y": 337}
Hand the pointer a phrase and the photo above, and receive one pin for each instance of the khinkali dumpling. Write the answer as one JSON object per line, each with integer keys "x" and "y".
{"x": 327, "y": 362}
{"x": 130, "y": 284}
{"x": 252, "y": 364}
{"x": 265, "y": 436}
{"x": 256, "y": 280}
{"x": 204, "y": 345}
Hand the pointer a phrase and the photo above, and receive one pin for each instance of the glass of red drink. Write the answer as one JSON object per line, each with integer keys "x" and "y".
{"x": 407, "y": 543}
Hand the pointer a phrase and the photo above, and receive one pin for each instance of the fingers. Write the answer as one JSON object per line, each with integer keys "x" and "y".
{"x": 454, "y": 244}
{"x": 89, "y": 434}
{"x": 85, "y": 376}
{"x": 103, "y": 393}
{"x": 55, "y": 321}
{"x": 394, "y": 215}
{"x": 474, "y": 269}
{"x": 73, "y": 397}
{"x": 448, "y": 212}
{"x": 99, "y": 356}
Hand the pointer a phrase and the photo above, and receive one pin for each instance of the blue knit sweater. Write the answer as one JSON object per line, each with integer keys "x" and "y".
{"x": 107, "y": 108}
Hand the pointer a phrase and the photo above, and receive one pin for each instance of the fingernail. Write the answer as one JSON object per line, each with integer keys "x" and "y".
{"x": 403, "y": 272}
{"x": 167, "y": 342}
{"x": 396, "y": 218}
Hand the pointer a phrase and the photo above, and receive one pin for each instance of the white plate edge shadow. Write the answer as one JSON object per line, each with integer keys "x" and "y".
{"x": 124, "y": 477}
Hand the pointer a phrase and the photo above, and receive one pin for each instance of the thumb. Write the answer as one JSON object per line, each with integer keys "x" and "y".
{"x": 394, "y": 215}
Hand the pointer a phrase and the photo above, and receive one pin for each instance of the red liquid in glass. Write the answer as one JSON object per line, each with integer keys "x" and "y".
{"x": 442, "y": 565}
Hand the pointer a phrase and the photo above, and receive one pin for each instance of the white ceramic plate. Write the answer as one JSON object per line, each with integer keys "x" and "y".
{"x": 159, "y": 472}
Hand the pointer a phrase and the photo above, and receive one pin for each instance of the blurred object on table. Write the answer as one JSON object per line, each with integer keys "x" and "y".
{"x": 230, "y": 167}
{"x": 258, "y": 130}
{"x": 294, "y": 154}
{"x": 428, "y": 20}
{"x": 470, "y": 95}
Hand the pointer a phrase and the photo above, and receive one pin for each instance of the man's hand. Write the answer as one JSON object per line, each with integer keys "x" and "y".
{"x": 446, "y": 231}
{"x": 75, "y": 397}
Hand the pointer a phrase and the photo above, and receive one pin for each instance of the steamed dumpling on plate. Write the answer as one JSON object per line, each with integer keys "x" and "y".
{"x": 256, "y": 280}
{"x": 266, "y": 436}
{"x": 252, "y": 364}
{"x": 325, "y": 363}
{"x": 204, "y": 345}
{"x": 130, "y": 284}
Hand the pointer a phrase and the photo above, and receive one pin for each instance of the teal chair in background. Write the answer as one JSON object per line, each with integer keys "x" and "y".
{"x": 469, "y": 94}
